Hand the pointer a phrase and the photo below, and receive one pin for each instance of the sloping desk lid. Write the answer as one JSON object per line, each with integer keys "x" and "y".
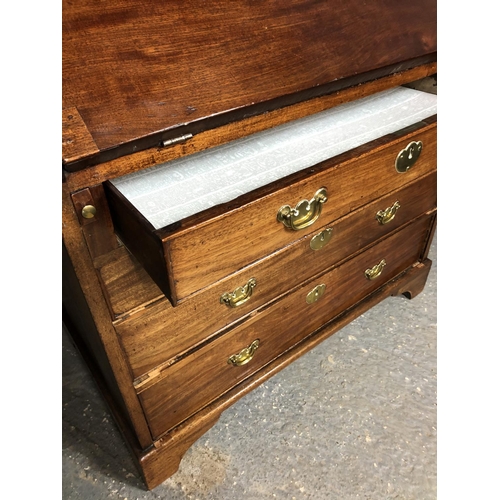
{"x": 138, "y": 73}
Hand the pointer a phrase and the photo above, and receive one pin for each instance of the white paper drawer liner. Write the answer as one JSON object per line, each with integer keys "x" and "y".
{"x": 169, "y": 192}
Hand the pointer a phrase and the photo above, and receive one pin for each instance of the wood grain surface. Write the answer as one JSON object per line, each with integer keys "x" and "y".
{"x": 98, "y": 230}
{"x": 247, "y": 230}
{"x": 135, "y": 74}
{"x": 155, "y": 335}
{"x": 96, "y": 329}
{"x": 117, "y": 165}
{"x": 77, "y": 142}
{"x": 139, "y": 71}
{"x": 162, "y": 460}
{"x": 201, "y": 377}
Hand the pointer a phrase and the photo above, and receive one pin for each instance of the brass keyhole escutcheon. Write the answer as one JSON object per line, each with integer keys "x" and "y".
{"x": 315, "y": 294}
{"x": 408, "y": 156}
{"x": 321, "y": 239}
{"x": 88, "y": 211}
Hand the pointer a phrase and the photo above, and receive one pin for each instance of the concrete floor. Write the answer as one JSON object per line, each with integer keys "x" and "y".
{"x": 355, "y": 418}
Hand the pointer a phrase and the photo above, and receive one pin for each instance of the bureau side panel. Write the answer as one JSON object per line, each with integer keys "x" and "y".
{"x": 97, "y": 328}
{"x": 79, "y": 323}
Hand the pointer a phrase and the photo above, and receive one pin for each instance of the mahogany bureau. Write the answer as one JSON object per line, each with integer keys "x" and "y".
{"x": 239, "y": 183}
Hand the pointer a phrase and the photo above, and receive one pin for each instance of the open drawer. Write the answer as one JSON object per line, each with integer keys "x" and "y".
{"x": 199, "y": 219}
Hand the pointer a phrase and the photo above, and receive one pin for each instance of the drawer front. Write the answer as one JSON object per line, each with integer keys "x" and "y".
{"x": 164, "y": 332}
{"x": 194, "y": 381}
{"x": 204, "y": 254}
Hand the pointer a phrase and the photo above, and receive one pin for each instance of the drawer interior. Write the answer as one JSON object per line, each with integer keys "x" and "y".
{"x": 171, "y": 192}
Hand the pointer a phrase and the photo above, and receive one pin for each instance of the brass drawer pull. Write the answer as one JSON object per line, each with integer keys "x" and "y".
{"x": 408, "y": 156}
{"x": 385, "y": 216}
{"x": 305, "y": 213}
{"x": 321, "y": 239}
{"x": 375, "y": 271}
{"x": 315, "y": 294}
{"x": 241, "y": 295}
{"x": 245, "y": 355}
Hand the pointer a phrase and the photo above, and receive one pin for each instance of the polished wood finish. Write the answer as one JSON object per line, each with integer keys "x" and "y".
{"x": 249, "y": 222}
{"x": 199, "y": 378}
{"x": 126, "y": 284}
{"x": 139, "y": 73}
{"x": 104, "y": 344}
{"x": 141, "y": 239}
{"x": 164, "y": 459}
{"x": 77, "y": 141}
{"x": 231, "y": 131}
{"x": 154, "y": 335}
{"x": 131, "y": 290}
{"x": 135, "y": 74}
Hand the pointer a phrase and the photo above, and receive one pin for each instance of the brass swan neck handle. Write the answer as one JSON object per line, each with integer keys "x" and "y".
{"x": 305, "y": 213}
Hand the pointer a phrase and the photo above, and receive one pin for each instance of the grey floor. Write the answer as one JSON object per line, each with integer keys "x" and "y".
{"x": 355, "y": 418}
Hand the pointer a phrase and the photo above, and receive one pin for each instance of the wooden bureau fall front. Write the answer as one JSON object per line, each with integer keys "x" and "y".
{"x": 239, "y": 183}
